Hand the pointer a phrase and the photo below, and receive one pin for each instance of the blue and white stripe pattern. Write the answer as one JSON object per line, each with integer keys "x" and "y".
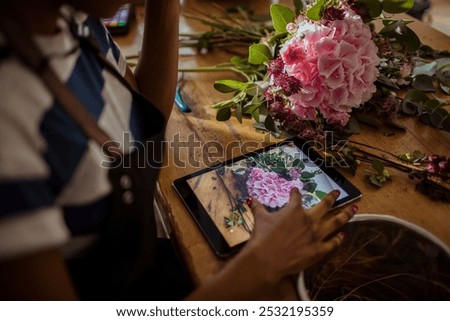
{"x": 52, "y": 187}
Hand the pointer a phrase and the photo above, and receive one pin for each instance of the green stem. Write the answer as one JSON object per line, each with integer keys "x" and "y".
{"x": 214, "y": 69}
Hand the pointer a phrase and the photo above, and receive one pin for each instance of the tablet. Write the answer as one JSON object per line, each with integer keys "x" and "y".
{"x": 216, "y": 196}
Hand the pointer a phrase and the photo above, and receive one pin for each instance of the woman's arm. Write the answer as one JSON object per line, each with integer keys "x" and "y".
{"x": 156, "y": 72}
{"x": 39, "y": 276}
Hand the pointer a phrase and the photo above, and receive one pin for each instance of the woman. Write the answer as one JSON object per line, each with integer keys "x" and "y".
{"x": 58, "y": 238}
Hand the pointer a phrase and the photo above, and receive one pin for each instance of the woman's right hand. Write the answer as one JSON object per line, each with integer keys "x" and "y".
{"x": 293, "y": 238}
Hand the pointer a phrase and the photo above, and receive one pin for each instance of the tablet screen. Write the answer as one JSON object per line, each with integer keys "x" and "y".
{"x": 268, "y": 175}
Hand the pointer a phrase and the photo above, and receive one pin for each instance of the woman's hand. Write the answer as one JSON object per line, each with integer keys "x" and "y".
{"x": 294, "y": 238}
{"x": 282, "y": 244}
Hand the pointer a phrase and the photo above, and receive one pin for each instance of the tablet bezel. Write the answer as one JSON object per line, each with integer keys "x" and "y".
{"x": 207, "y": 225}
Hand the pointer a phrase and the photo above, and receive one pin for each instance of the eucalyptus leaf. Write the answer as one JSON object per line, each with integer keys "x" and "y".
{"x": 397, "y": 6}
{"x": 425, "y": 68}
{"x": 424, "y": 83}
{"x": 446, "y": 125}
{"x": 438, "y": 117}
{"x": 298, "y": 6}
{"x": 259, "y": 54}
{"x": 445, "y": 88}
{"x": 442, "y": 62}
{"x": 223, "y": 114}
{"x": 281, "y": 16}
{"x": 409, "y": 107}
{"x": 432, "y": 104}
{"x": 393, "y": 28}
{"x": 315, "y": 12}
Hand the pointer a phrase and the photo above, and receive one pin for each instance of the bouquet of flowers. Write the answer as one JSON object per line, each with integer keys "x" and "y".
{"x": 324, "y": 68}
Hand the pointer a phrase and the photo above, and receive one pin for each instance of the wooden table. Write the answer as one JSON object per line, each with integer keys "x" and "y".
{"x": 397, "y": 198}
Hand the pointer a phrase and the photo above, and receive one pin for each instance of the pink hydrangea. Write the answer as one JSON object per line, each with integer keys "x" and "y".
{"x": 269, "y": 188}
{"x": 336, "y": 66}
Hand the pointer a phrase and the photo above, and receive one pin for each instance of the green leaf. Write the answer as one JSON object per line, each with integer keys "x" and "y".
{"x": 281, "y": 16}
{"x": 416, "y": 96}
{"x": 410, "y": 40}
{"x": 423, "y": 83}
{"x": 223, "y": 114}
{"x": 227, "y": 86}
{"x": 438, "y": 117}
{"x": 250, "y": 109}
{"x": 305, "y": 176}
{"x": 425, "y": 68}
{"x": 320, "y": 194}
{"x": 298, "y": 6}
{"x": 269, "y": 123}
{"x": 353, "y": 126}
{"x": 431, "y": 104}
{"x": 378, "y": 166}
{"x": 310, "y": 186}
{"x": 239, "y": 113}
{"x": 297, "y": 162}
{"x": 374, "y": 6}
{"x": 228, "y": 222}
{"x": 405, "y": 36}
{"x": 445, "y": 88}
{"x": 413, "y": 100}
{"x": 315, "y": 12}
{"x": 393, "y": 28}
{"x": 255, "y": 115}
{"x": 224, "y": 104}
{"x": 259, "y": 54}
{"x": 375, "y": 181}
{"x": 397, "y": 6}
{"x": 368, "y": 120}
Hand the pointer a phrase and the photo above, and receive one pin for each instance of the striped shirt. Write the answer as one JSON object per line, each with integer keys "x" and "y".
{"x": 53, "y": 190}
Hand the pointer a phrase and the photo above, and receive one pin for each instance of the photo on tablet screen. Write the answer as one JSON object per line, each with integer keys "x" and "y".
{"x": 267, "y": 176}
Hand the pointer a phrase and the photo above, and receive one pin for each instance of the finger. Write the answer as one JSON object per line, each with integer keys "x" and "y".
{"x": 336, "y": 222}
{"x": 333, "y": 243}
{"x": 325, "y": 205}
{"x": 256, "y": 207}
{"x": 295, "y": 199}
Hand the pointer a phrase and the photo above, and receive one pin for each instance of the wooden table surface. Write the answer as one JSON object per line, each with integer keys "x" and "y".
{"x": 397, "y": 198}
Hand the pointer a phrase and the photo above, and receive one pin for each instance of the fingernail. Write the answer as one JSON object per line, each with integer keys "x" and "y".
{"x": 336, "y": 193}
{"x": 249, "y": 201}
{"x": 354, "y": 208}
{"x": 343, "y": 234}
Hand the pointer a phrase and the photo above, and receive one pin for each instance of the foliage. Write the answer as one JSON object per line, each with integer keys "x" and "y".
{"x": 404, "y": 65}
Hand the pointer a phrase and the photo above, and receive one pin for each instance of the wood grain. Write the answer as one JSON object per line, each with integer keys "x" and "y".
{"x": 199, "y": 128}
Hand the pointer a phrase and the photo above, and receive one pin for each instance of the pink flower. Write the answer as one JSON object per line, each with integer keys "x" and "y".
{"x": 269, "y": 188}
{"x": 335, "y": 62}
